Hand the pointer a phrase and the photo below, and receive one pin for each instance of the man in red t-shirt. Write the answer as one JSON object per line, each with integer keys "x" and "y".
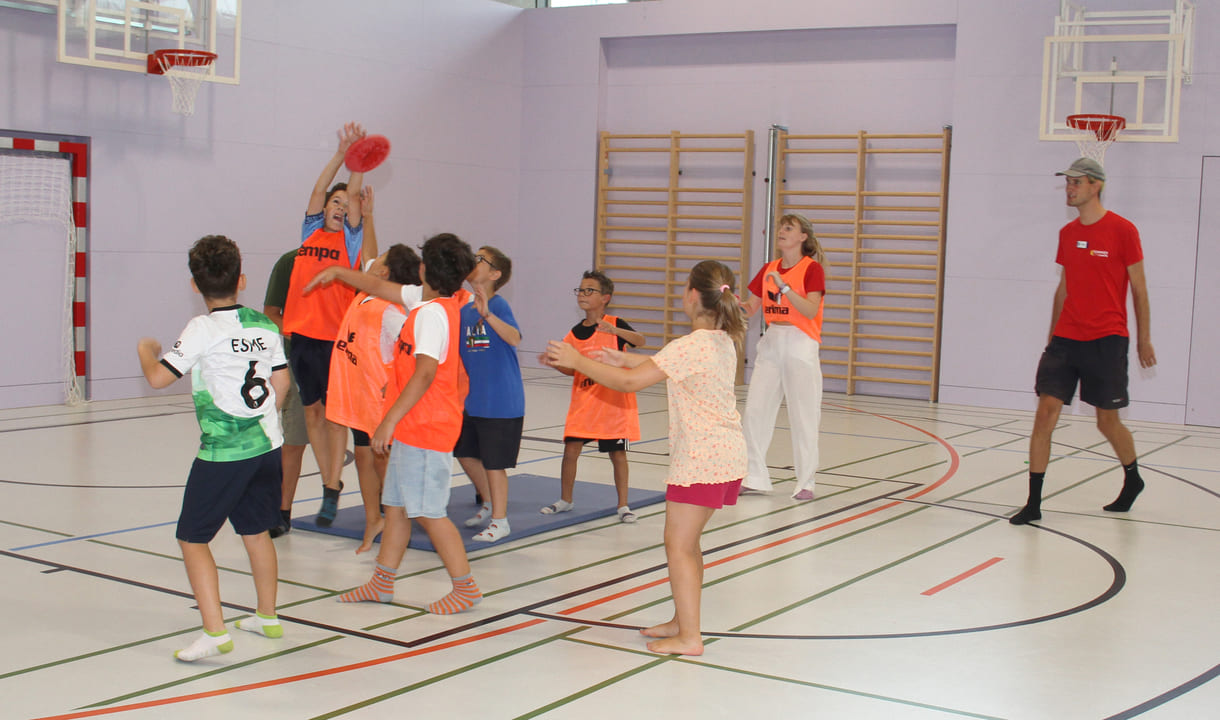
{"x": 1101, "y": 256}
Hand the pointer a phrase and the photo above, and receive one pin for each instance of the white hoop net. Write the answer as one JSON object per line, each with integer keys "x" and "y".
{"x": 39, "y": 189}
{"x": 1094, "y": 134}
{"x": 185, "y": 74}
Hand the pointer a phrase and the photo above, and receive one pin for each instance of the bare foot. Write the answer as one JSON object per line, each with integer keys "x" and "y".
{"x": 664, "y": 630}
{"x": 370, "y": 533}
{"x": 676, "y": 646}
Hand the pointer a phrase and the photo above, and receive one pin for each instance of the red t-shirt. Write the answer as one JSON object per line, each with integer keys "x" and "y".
{"x": 1095, "y": 259}
{"x": 815, "y": 279}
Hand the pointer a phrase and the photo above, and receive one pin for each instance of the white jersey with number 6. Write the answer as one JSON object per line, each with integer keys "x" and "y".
{"x": 231, "y": 353}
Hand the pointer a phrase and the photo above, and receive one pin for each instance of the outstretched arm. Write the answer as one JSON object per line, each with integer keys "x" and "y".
{"x": 1143, "y": 315}
{"x": 350, "y": 133}
{"x": 623, "y": 379}
{"x": 362, "y": 281}
{"x": 631, "y": 337}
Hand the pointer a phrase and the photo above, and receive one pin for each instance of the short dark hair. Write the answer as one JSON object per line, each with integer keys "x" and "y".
{"x": 501, "y": 262}
{"x": 215, "y": 264}
{"x": 448, "y": 261}
{"x": 334, "y": 189}
{"x": 607, "y": 285}
{"x": 403, "y": 264}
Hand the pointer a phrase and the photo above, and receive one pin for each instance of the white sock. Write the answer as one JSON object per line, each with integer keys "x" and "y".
{"x": 560, "y": 506}
{"x": 206, "y": 645}
{"x": 263, "y": 625}
{"x": 497, "y": 530}
{"x": 480, "y": 517}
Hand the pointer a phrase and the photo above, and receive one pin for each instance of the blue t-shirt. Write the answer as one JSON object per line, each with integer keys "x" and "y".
{"x": 491, "y": 363}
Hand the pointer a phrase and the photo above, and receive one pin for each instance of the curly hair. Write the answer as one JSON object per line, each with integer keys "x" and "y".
{"x": 403, "y": 264}
{"x": 215, "y": 264}
{"x": 447, "y": 263}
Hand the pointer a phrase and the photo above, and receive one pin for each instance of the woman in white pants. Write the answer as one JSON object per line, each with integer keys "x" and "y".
{"x": 790, "y": 291}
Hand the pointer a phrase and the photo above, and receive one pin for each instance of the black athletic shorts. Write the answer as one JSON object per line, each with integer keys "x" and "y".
{"x": 360, "y": 438}
{"x": 1100, "y": 366}
{"x": 310, "y": 361}
{"x": 494, "y": 441}
{"x": 244, "y": 492}
{"x": 606, "y": 446}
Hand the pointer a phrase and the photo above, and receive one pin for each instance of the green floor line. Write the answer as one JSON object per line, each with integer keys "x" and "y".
{"x": 443, "y": 676}
{"x": 209, "y": 673}
{"x": 36, "y": 529}
{"x": 700, "y": 662}
{"x": 115, "y": 648}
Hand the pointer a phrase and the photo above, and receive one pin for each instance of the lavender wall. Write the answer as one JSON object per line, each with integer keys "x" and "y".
{"x": 494, "y": 112}
{"x": 441, "y": 78}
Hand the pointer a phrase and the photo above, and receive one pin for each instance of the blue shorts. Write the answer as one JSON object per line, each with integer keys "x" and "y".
{"x": 244, "y": 492}
{"x": 310, "y": 362}
{"x": 418, "y": 481}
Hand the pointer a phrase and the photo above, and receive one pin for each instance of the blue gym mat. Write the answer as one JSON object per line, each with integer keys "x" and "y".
{"x": 526, "y": 493}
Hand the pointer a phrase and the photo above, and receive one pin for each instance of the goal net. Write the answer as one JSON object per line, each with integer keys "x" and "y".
{"x": 37, "y": 188}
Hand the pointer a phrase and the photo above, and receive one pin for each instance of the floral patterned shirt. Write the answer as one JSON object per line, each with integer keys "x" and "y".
{"x": 706, "y": 444}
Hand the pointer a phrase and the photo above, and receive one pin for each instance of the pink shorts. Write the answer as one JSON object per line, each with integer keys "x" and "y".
{"x": 711, "y": 495}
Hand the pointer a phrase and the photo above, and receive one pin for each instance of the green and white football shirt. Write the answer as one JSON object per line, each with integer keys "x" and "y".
{"x": 231, "y": 353}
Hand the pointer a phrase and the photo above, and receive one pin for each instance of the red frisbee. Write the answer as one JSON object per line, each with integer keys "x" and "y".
{"x": 367, "y": 153}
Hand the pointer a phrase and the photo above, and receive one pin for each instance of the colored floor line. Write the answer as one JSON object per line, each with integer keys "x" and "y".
{"x": 954, "y": 463}
{"x": 958, "y": 578}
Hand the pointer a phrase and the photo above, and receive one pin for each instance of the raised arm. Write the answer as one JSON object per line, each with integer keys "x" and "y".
{"x": 369, "y": 250}
{"x": 1143, "y": 315}
{"x": 350, "y": 133}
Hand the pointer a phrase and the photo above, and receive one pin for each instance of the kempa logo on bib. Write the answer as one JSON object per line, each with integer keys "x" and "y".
{"x": 1100, "y": 253}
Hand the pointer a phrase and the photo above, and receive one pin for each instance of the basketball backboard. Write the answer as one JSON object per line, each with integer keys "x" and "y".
{"x": 1130, "y": 63}
{"x": 120, "y": 34}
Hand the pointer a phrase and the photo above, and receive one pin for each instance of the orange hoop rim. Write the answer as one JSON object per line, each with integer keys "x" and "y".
{"x": 161, "y": 60}
{"x": 1105, "y": 127}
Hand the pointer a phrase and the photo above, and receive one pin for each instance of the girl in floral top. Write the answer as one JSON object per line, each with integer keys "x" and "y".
{"x": 706, "y": 447}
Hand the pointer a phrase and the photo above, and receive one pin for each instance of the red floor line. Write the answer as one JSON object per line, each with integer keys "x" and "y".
{"x": 293, "y": 678}
{"x": 955, "y": 461}
{"x": 955, "y": 580}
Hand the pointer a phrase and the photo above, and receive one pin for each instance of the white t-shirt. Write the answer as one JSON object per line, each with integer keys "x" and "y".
{"x": 432, "y": 331}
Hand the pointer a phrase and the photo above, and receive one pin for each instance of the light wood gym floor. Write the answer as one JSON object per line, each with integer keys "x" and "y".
{"x": 900, "y": 592}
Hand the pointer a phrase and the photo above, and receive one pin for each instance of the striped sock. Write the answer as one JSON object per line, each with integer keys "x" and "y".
{"x": 465, "y": 595}
{"x": 379, "y": 589}
{"x": 268, "y": 626}
{"x": 206, "y": 645}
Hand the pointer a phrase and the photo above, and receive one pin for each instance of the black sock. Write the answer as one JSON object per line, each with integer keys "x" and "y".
{"x": 1033, "y": 506}
{"x": 286, "y": 515}
{"x": 1133, "y": 485}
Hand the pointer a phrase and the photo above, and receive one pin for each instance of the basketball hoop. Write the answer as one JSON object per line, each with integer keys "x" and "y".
{"x": 185, "y": 69}
{"x": 1095, "y": 133}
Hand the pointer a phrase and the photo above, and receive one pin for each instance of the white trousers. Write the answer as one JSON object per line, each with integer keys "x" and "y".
{"x": 786, "y": 367}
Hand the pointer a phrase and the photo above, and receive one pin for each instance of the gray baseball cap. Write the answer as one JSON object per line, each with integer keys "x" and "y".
{"x": 1085, "y": 166}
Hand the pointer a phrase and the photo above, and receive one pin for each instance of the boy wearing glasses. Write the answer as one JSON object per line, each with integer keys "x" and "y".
{"x": 597, "y": 412}
{"x": 495, "y": 406}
